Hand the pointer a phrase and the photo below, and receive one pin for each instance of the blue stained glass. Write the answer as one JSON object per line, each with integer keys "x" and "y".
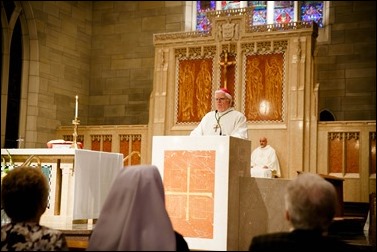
{"x": 312, "y": 11}
{"x": 283, "y": 12}
{"x": 202, "y": 22}
{"x": 259, "y": 12}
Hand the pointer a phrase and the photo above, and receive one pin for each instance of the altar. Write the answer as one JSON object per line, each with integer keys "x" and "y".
{"x": 79, "y": 180}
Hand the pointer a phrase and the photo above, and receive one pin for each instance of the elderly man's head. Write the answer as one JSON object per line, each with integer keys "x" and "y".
{"x": 263, "y": 142}
{"x": 223, "y": 99}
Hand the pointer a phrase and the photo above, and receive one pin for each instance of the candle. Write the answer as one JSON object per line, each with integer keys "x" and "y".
{"x": 77, "y": 107}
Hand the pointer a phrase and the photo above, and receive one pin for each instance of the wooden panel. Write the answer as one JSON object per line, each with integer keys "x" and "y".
{"x": 125, "y": 147}
{"x": 136, "y": 146}
{"x": 194, "y": 89}
{"x": 264, "y": 87}
{"x": 335, "y": 153}
{"x": 352, "y": 153}
{"x": 107, "y": 141}
{"x": 96, "y": 143}
{"x": 372, "y": 153}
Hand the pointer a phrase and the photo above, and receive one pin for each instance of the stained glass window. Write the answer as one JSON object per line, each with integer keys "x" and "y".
{"x": 202, "y": 23}
{"x": 226, "y": 5}
{"x": 312, "y": 11}
{"x": 282, "y": 11}
{"x": 260, "y": 12}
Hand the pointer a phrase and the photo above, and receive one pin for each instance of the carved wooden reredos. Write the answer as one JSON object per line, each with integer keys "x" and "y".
{"x": 267, "y": 68}
{"x": 246, "y": 59}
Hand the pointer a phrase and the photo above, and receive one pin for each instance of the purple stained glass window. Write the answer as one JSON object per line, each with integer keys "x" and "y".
{"x": 312, "y": 11}
{"x": 259, "y": 12}
{"x": 202, "y": 23}
{"x": 283, "y": 12}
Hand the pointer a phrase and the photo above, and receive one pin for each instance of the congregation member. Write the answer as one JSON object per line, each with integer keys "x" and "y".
{"x": 134, "y": 217}
{"x": 24, "y": 197}
{"x": 264, "y": 161}
{"x": 310, "y": 205}
{"x": 224, "y": 121}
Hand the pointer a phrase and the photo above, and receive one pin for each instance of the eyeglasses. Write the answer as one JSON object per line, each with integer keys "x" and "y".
{"x": 221, "y": 99}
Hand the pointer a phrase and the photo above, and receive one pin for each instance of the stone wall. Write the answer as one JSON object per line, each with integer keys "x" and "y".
{"x": 123, "y": 57}
{"x": 346, "y": 63}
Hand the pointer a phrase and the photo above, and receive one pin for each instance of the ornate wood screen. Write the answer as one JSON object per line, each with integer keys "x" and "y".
{"x": 194, "y": 88}
{"x": 264, "y": 76}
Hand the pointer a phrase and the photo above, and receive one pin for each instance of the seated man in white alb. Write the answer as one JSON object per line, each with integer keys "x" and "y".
{"x": 264, "y": 161}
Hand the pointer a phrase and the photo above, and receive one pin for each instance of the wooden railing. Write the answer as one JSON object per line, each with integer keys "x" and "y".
{"x": 128, "y": 140}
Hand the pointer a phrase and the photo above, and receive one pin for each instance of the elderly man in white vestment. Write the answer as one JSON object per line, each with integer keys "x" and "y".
{"x": 224, "y": 121}
{"x": 264, "y": 161}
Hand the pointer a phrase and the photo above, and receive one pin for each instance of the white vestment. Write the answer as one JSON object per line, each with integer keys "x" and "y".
{"x": 262, "y": 157}
{"x": 228, "y": 123}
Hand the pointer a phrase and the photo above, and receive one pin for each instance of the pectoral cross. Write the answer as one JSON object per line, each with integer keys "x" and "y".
{"x": 225, "y": 64}
{"x": 216, "y": 127}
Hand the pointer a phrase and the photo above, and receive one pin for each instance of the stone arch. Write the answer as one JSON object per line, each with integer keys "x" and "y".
{"x": 24, "y": 13}
{"x": 326, "y": 115}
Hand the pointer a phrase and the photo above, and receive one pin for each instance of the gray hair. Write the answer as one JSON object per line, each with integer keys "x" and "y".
{"x": 311, "y": 202}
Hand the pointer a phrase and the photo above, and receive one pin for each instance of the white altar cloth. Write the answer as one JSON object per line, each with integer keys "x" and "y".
{"x": 94, "y": 174}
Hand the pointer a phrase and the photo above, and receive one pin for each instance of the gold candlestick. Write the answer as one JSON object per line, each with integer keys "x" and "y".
{"x": 75, "y": 123}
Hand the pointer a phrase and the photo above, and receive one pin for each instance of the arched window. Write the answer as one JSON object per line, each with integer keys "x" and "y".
{"x": 265, "y": 12}
{"x": 11, "y": 70}
{"x": 326, "y": 115}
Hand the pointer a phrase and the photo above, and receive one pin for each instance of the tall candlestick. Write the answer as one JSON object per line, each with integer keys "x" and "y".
{"x": 77, "y": 107}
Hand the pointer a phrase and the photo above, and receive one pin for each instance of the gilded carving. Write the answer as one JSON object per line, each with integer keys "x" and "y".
{"x": 204, "y": 84}
{"x": 264, "y": 46}
{"x": 229, "y": 31}
{"x": 280, "y": 45}
{"x": 209, "y": 50}
{"x": 186, "y": 91}
{"x": 248, "y": 47}
{"x": 194, "y": 88}
{"x": 195, "y": 51}
{"x": 180, "y": 52}
{"x": 264, "y": 87}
